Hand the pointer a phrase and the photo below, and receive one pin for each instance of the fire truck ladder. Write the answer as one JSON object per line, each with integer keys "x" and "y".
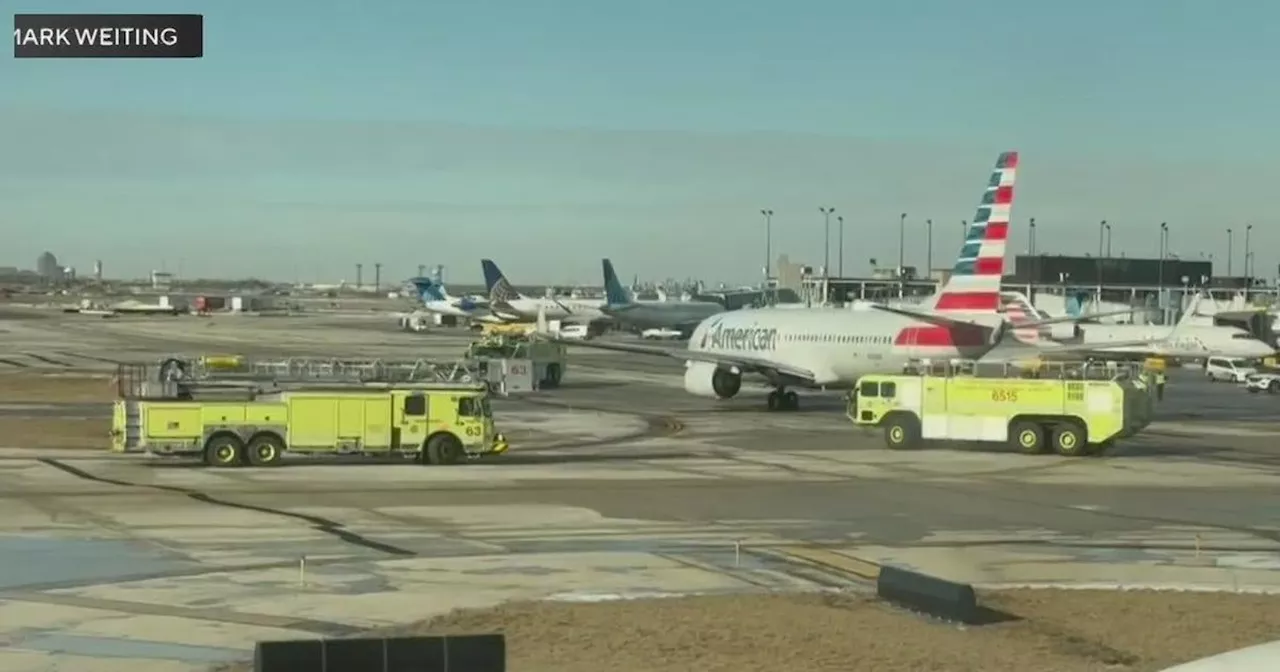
{"x": 318, "y": 370}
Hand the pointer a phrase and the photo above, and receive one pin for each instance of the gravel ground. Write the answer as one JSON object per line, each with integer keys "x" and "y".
{"x": 1054, "y": 631}
{"x": 33, "y": 388}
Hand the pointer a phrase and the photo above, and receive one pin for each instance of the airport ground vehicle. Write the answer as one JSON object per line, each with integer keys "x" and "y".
{"x": 546, "y": 358}
{"x": 1075, "y": 408}
{"x": 235, "y": 415}
{"x": 1263, "y": 380}
{"x": 1229, "y": 369}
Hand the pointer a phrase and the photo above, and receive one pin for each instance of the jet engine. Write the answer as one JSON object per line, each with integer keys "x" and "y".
{"x": 706, "y": 379}
{"x": 1063, "y": 331}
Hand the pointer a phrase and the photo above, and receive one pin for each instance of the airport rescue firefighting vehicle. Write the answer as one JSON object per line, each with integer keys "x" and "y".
{"x": 1074, "y": 408}
{"x": 234, "y": 411}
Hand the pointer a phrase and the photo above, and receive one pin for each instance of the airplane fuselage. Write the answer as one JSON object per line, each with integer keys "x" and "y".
{"x": 662, "y": 314}
{"x": 1186, "y": 341}
{"x": 837, "y": 345}
{"x": 525, "y": 309}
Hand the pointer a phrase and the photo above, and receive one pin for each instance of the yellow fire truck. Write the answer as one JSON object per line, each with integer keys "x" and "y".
{"x": 228, "y": 417}
{"x": 1076, "y": 409}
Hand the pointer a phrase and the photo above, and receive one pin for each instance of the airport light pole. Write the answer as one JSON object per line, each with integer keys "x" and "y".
{"x": 902, "y": 239}
{"x": 1230, "y": 251}
{"x": 840, "y": 253}
{"x": 1102, "y": 232}
{"x": 1164, "y": 254}
{"x": 1035, "y": 265}
{"x": 768, "y": 244}
{"x": 826, "y": 241}
{"x": 929, "y": 258}
{"x": 1248, "y": 229}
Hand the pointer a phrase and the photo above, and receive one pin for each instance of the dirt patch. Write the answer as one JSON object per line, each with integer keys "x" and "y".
{"x": 30, "y": 388}
{"x": 1056, "y": 631}
{"x": 87, "y": 433}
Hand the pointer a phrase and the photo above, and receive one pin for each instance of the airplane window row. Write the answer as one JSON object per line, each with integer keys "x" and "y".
{"x": 838, "y": 338}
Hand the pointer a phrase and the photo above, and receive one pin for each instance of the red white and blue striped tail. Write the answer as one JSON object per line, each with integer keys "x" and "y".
{"x": 1019, "y": 313}
{"x": 974, "y": 285}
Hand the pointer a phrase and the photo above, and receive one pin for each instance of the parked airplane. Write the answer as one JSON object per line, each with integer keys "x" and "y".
{"x": 436, "y": 299}
{"x": 1184, "y": 340}
{"x": 833, "y": 347}
{"x": 625, "y": 309}
{"x": 510, "y": 305}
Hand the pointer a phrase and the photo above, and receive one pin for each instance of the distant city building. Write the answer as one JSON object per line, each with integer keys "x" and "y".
{"x": 97, "y": 270}
{"x": 47, "y": 267}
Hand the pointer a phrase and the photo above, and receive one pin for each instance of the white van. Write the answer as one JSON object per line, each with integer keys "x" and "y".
{"x": 1229, "y": 369}
{"x": 574, "y": 332}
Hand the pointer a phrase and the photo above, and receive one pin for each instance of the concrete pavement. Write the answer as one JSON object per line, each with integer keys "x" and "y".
{"x": 618, "y": 484}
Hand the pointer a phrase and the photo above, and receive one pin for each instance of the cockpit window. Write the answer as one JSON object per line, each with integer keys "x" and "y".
{"x": 1242, "y": 337}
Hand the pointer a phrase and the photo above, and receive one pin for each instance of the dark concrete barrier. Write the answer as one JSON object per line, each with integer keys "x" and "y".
{"x": 452, "y": 653}
{"x": 928, "y": 594}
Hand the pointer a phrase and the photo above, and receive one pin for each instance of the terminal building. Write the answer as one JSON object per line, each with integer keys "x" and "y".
{"x": 1058, "y": 284}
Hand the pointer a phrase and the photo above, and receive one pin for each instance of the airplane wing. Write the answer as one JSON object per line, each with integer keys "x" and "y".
{"x": 1018, "y": 352}
{"x": 932, "y": 318}
{"x": 1075, "y": 318}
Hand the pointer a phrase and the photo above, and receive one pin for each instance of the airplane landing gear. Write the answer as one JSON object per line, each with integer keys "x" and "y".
{"x": 783, "y": 400}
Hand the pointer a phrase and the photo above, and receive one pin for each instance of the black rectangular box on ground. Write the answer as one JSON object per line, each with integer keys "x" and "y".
{"x": 354, "y": 654}
{"x": 108, "y": 35}
{"x": 440, "y": 653}
{"x": 415, "y": 654}
{"x": 476, "y": 653}
{"x": 300, "y": 655}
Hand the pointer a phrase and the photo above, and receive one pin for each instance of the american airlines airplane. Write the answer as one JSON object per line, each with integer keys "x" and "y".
{"x": 512, "y": 306}
{"x": 681, "y": 316}
{"x": 1185, "y": 340}
{"x": 832, "y": 347}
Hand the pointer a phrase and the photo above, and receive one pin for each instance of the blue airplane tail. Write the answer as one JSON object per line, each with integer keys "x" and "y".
{"x": 429, "y": 289}
{"x": 491, "y": 274}
{"x": 614, "y": 293}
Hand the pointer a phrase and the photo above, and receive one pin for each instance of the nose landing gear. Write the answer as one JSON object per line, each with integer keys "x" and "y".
{"x": 783, "y": 400}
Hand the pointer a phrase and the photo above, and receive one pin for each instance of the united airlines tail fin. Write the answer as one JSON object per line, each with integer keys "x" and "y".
{"x": 500, "y": 289}
{"x": 974, "y": 285}
{"x": 429, "y": 289}
{"x": 614, "y": 293}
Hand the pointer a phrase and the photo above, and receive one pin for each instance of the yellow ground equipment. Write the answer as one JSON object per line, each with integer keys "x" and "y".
{"x": 229, "y": 417}
{"x": 508, "y": 329}
{"x": 1075, "y": 408}
{"x": 545, "y": 359}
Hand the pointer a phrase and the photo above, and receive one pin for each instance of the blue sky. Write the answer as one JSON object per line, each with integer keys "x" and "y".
{"x": 314, "y": 135}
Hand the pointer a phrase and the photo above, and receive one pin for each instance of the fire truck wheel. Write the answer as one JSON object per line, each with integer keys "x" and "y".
{"x": 264, "y": 450}
{"x": 552, "y": 379}
{"x": 1027, "y": 437}
{"x": 223, "y": 450}
{"x": 901, "y": 431}
{"x": 1068, "y": 440}
{"x": 444, "y": 449}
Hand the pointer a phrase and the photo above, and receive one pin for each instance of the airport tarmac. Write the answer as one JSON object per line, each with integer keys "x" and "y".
{"x": 617, "y": 484}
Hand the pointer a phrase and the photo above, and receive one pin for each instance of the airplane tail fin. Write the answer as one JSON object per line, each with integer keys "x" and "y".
{"x": 974, "y": 284}
{"x": 500, "y": 289}
{"x": 614, "y": 293}
{"x": 1192, "y": 309}
{"x": 1020, "y": 313}
{"x": 429, "y": 289}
